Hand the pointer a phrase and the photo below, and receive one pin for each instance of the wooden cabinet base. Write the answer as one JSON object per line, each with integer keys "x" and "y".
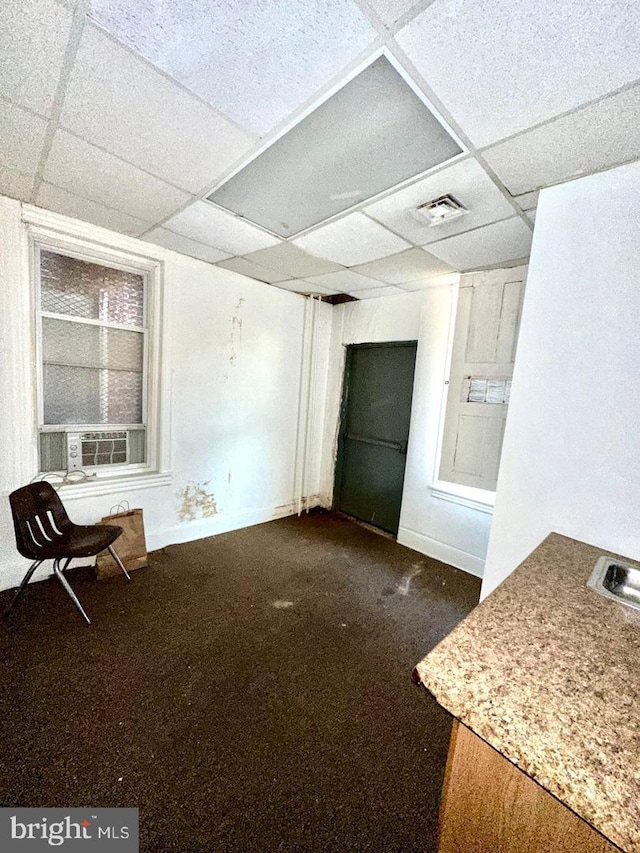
{"x": 490, "y": 806}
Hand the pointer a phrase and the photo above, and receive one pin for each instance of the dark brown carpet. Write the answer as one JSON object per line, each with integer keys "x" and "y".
{"x": 234, "y": 724}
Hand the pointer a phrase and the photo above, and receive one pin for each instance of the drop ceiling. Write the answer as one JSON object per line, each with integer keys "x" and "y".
{"x": 370, "y": 135}
{"x": 292, "y": 141}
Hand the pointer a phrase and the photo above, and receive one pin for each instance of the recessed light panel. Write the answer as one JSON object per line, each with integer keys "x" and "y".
{"x": 372, "y": 134}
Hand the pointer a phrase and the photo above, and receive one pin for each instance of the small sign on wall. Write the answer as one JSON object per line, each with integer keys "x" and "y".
{"x": 479, "y": 390}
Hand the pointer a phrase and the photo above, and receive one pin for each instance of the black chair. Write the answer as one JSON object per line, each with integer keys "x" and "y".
{"x": 45, "y": 532}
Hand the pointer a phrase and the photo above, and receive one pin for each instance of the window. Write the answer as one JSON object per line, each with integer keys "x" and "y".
{"x": 93, "y": 343}
{"x": 484, "y": 345}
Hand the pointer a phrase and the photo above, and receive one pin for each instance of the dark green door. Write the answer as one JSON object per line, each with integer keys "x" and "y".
{"x": 374, "y": 429}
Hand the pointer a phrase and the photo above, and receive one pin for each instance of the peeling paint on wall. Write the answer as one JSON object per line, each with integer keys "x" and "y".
{"x": 236, "y": 331}
{"x": 197, "y": 502}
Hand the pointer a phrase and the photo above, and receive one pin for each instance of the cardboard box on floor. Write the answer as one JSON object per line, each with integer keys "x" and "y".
{"x": 131, "y": 546}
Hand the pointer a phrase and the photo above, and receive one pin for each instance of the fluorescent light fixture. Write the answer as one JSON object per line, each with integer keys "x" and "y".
{"x": 372, "y": 134}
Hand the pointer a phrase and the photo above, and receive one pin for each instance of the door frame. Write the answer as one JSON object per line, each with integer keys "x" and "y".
{"x": 342, "y": 423}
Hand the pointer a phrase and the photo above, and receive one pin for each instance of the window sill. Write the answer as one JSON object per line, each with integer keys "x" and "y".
{"x": 466, "y": 496}
{"x": 115, "y": 485}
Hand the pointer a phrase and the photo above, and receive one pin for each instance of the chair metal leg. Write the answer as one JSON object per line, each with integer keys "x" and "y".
{"x": 119, "y": 562}
{"x": 65, "y": 583}
{"x": 22, "y": 587}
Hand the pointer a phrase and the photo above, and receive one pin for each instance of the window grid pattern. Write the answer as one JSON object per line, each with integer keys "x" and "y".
{"x": 93, "y": 362}
{"x": 82, "y": 289}
{"x": 92, "y": 373}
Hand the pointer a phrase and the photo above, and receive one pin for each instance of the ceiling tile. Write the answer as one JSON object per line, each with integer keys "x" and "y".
{"x": 178, "y": 243}
{"x": 246, "y": 267}
{"x": 527, "y": 200}
{"x": 292, "y": 261}
{"x": 500, "y": 66}
{"x": 466, "y": 180}
{"x": 405, "y": 266}
{"x": 305, "y": 286}
{"x": 21, "y": 138}
{"x": 61, "y": 201}
{"x": 438, "y": 281}
{"x": 15, "y": 185}
{"x": 491, "y": 244}
{"x": 586, "y": 141}
{"x": 34, "y": 37}
{"x": 255, "y": 61}
{"x": 376, "y": 292}
{"x": 390, "y": 10}
{"x": 354, "y": 239}
{"x": 118, "y": 101}
{"x": 345, "y": 281}
{"x": 214, "y": 227}
{"x": 369, "y": 136}
{"x": 89, "y": 172}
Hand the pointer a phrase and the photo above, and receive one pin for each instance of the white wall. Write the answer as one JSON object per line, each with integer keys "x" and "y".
{"x": 232, "y": 358}
{"x": 571, "y": 457}
{"x": 439, "y": 528}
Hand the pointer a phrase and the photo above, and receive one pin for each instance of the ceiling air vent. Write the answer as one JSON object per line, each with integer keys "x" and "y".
{"x": 441, "y": 209}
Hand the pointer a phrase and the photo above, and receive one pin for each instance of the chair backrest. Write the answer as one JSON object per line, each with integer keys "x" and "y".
{"x": 40, "y": 520}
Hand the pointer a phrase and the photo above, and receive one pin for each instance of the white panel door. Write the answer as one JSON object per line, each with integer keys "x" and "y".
{"x": 485, "y": 339}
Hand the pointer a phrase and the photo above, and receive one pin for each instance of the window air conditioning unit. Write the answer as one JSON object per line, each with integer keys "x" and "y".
{"x": 441, "y": 209}
{"x": 86, "y": 449}
{"x": 73, "y": 449}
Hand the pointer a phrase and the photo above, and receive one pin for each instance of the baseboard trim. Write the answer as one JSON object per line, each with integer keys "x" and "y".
{"x": 224, "y": 523}
{"x": 441, "y": 551}
{"x": 12, "y": 575}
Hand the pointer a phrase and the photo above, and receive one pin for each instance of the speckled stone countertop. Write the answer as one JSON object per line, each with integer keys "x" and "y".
{"x": 548, "y": 673}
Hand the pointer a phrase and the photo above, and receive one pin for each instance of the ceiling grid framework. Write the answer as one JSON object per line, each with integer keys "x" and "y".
{"x": 129, "y": 113}
{"x": 434, "y": 99}
{"x": 522, "y": 52}
{"x": 34, "y": 38}
{"x": 390, "y": 12}
{"x": 254, "y": 61}
{"x": 112, "y": 88}
{"x": 75, "y": 34}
